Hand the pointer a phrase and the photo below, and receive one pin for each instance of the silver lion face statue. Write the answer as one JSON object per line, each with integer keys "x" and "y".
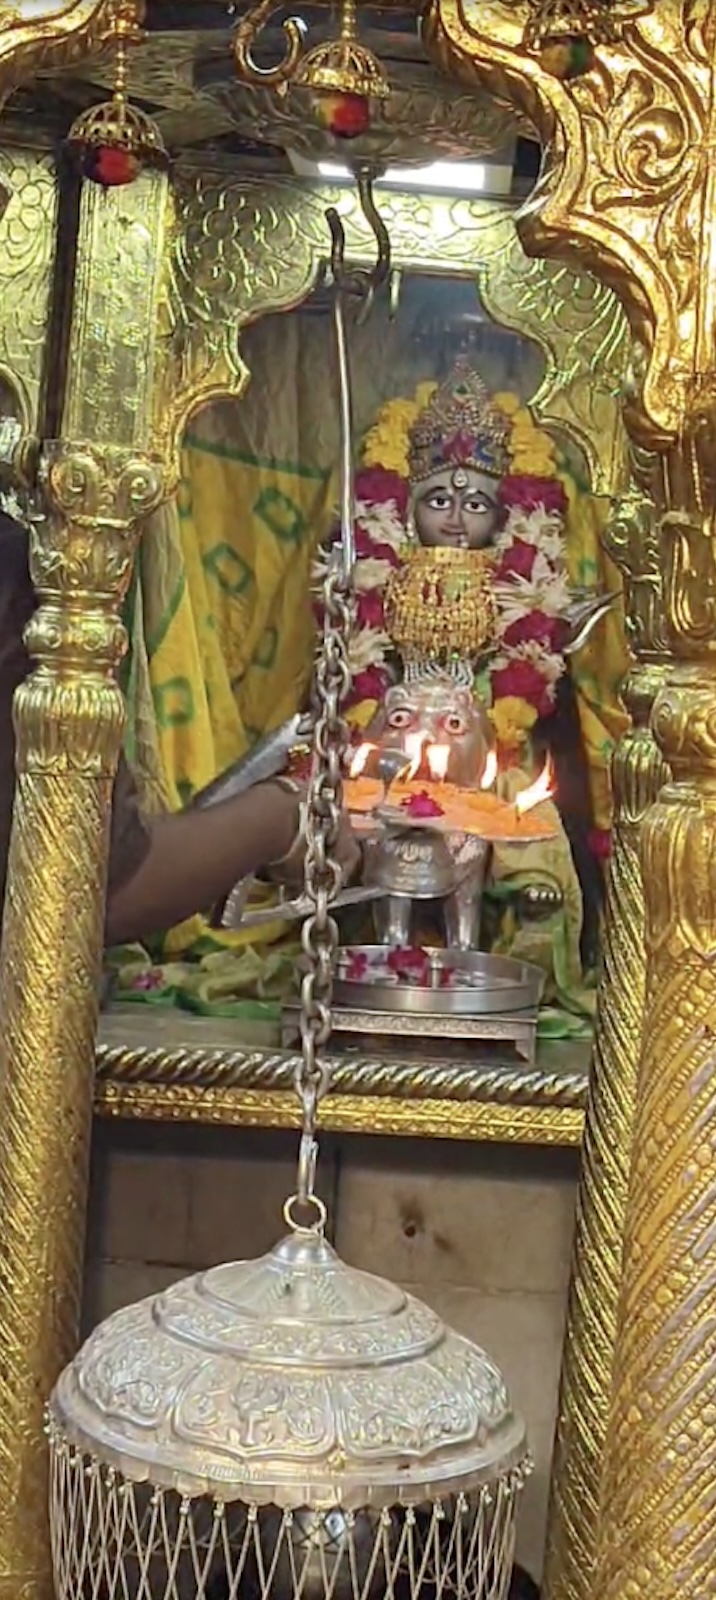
{"x": 420, "y": 715}
{"x": 416, "y": 721}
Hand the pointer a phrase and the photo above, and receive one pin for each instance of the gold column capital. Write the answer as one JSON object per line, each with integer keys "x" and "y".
{"x": 82, "y": 549}
{"x": 99, "y": 485}
{"x": 684, "y": 722}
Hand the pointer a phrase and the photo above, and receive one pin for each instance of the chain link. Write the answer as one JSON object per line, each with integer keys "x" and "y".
{"x": 322, "y": 873}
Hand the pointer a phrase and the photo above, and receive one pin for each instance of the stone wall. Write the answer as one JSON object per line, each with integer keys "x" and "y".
{"x": 483, "y": 1234}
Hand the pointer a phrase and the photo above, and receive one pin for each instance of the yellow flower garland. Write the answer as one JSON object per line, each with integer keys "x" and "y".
{"x": 512, "y": 719}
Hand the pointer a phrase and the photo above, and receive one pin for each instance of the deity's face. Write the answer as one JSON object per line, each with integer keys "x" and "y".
{"x": 438, "y": 713}
{"x": 457, "y": 507}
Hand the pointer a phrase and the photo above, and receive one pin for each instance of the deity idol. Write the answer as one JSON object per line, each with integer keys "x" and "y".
{"x": 465, "y": 621}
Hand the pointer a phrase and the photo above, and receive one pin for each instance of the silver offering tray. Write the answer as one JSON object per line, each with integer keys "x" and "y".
{"x": 495, "y": 1006}
{"x": 483, "y": 985}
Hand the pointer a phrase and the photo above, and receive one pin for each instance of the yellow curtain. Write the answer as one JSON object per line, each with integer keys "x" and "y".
{"x": 233, "y": 657}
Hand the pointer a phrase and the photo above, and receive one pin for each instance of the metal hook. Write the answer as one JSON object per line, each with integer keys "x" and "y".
{"x": 365, "y": 177}
{"x": 245, "y": 36}
{"x": 360, "y": 282}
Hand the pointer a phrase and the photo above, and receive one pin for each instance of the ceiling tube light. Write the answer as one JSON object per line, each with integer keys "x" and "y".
{"x": 451, "y": 177}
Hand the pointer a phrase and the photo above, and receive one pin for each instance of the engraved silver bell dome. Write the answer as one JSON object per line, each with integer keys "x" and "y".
{"x": 294, "y": 1380}
{"x": 283, "y": 1429}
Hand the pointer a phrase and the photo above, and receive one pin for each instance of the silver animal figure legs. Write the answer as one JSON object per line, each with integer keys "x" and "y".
{"x": 392, "y": 921}
{"x": 463, "y": 908}
{"x": 461, "y": 912}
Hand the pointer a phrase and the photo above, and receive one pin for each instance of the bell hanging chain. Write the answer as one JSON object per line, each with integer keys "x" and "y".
{"x": 322, "y": 874}
{"x": 324, "y": 805}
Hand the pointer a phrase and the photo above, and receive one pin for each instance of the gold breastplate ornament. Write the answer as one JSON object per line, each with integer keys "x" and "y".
{"x": 440, "y": 605}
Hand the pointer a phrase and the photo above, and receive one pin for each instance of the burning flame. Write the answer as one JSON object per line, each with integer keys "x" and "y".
{"x": 438, "y": 757}
{"x": 360, "y": 760}
{"x": 414, "y": 750}
{"x": 490, "y": 773}
{"x": 542, "y": 789}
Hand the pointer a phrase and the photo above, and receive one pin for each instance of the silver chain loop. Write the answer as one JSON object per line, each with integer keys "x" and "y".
{"x": 322, "y": 873}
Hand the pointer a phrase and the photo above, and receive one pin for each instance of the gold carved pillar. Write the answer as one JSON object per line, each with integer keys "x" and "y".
{"x": 96, "y": 485}
{"x": 658, "y": 1518}
{"x": 629, "y": 186}
{"x": 638, "y": 772}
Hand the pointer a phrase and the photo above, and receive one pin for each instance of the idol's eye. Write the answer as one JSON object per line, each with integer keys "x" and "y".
{"x": 400, "y": 718}
{"x": 454, "y": 724}
{"x": 477, "y": 506}
{"x": 438, "y": 501}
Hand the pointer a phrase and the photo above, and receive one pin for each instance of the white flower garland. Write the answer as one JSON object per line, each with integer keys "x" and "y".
{"x": 544, "y": 593}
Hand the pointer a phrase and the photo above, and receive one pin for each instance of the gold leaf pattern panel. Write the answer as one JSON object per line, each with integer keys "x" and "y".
{"x": 27, "y": 247}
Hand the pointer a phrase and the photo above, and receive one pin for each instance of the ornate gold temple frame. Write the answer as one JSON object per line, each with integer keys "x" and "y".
{"x": 200, "y": 1073}
{"x": 165, "y": 277}
{"x": 629, "y": 184}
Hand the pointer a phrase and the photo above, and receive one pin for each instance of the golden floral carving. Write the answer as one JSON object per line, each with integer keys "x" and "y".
{"x": 27, "y": 248}
{"x": 51, "y": 34}
{"x": 622, "y": 190}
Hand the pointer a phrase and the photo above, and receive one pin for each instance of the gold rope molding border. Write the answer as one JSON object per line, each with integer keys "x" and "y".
{"x": 254, "y": 1088}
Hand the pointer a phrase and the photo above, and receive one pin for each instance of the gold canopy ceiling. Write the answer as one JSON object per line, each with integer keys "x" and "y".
{"x": 184, "y": 76}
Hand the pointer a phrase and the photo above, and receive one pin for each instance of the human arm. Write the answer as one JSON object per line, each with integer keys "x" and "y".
{"x": 191, "y": 860}
{"x": 161, "y": 869}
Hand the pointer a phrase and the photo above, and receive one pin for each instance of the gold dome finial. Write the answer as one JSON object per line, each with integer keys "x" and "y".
{"x": 115, "y": 140}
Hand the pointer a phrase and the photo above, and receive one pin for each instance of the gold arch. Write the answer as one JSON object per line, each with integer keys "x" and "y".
{"x": 233, "y": 250}
{"x": 242, "y": 248}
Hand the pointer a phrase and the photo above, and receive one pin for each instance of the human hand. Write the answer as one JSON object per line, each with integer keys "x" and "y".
{"x": 289, "y": 868}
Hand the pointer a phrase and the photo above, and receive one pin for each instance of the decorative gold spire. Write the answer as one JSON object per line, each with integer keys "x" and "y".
{"x": 459, "y": 427}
